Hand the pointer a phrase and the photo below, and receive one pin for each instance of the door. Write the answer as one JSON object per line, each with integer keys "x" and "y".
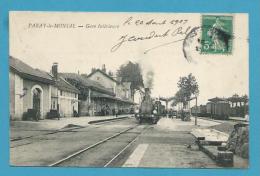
{"x": 37, "y": 101}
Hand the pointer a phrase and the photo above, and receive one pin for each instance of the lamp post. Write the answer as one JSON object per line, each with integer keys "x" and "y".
{"x": 24, "y": 92}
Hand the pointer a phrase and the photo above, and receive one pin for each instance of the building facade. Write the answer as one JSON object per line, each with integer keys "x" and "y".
{"x": 29, "y": 89}
{"x": 64, "y": 97}
{"x": 33, "y": 91}
{"x": 67, "y": 98}
{"x": 122, "y": 102}
{"x": 100, "y": 94}
{"x": 92, "y": 95}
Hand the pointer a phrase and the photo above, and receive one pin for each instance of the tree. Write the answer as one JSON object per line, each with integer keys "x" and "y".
{"x": 245, "y": 98}
{"x": 131, "y": 72}
{"x": 188, "y": 87}
{"x": 235, "y": 96}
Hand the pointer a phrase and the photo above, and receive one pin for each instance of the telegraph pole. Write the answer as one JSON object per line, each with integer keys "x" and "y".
{"x": 196, "y": 114}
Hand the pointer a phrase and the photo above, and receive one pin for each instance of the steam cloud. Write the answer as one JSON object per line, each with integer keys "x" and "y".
{"x": 148, "y": 79}
{"x": 148, "y": 73}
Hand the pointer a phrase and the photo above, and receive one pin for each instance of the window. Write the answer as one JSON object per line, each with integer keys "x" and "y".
{"x": 53, "y": 105}
{"x": 98, "y": 78}
{"x": 75, "y": 95}
{"x": 61, "y": 93}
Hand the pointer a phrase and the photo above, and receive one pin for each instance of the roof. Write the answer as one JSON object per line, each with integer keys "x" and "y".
{"x": 85, "y": 82}
{"x": 217, "y": 99}
{"x": 101, "y": 95}
{"x": 62, "y": 84}
{"x": 106, "y": 75}
{"x": 26, "y": 71}
{"x": 127, "y": 83}
{"x": 125, "y": 101}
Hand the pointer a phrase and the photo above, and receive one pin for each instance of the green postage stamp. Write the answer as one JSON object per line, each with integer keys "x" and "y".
{"x": 217, "y": 34}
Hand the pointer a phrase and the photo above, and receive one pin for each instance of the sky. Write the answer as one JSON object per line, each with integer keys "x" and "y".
{"x": 79, "y": 41}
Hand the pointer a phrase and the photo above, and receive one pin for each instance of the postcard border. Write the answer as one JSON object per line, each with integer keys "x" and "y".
{"x": 199, "y": 6}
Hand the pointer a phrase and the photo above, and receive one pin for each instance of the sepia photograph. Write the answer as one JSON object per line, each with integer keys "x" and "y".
{"x": 128, "y": 89}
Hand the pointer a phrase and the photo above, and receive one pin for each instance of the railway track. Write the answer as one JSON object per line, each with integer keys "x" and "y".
{"x": 67, "y": 130}
{"x": 87, "y": 148}
{"x": 124, "y": 149}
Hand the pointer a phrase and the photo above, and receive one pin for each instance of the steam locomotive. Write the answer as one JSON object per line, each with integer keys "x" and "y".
{"x": 149, "y": 110}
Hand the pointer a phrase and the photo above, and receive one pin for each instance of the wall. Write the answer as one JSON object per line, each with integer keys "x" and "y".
{"x": 84, "y": 108}
{"x": 15, "y": 91}
{"x": 123, "y": 91}
{"x": 27, "y": 99}
{"x": 104, "y": 81}
{"x": 54, "y": 97}
{"x": 67, "y": 101}
{"x": 49, "y": 99}
{"x": 127, "y": 86}
{"x": 120, "y": 91}
{"x": 11, "y": 95}
{"x": 20, "y": 103}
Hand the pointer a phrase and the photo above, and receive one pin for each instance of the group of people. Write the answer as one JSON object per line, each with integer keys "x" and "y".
{"x": 106, "y": 110}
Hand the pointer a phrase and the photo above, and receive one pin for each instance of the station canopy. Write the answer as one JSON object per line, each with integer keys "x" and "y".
{"x": 95, "y": 94}
{"x": 217, "y": 99}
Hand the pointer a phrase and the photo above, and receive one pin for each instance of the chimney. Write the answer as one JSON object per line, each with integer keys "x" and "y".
{"x": 104, "y": 68}
{"x": 54, "y": 70}
{"x": 93, "y": 69}
{"x": 147, "y": 93}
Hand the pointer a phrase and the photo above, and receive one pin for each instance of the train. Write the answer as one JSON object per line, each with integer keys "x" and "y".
{"x": 216, "y": 110}
{"x": 149, "y": 110}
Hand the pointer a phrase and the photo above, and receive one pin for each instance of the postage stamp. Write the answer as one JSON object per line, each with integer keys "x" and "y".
{"x": 217, "y": 34}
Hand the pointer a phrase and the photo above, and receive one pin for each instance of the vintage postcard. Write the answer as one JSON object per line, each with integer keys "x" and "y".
{"x": 149, "y": 90}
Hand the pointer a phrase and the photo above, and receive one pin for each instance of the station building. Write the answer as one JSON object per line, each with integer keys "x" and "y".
{"x": 36, "y": 91}
{"x": 90, "y": 96}
{"x": 122, "y": 101}
{"x": 64, "y": 96}
{"x": 101, "y": 94}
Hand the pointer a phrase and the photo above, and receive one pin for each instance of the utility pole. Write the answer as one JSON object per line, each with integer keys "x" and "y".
{"x": 196, "y": 105}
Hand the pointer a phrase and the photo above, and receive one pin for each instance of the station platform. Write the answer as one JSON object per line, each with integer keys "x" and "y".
{"x": 23, "y": 129}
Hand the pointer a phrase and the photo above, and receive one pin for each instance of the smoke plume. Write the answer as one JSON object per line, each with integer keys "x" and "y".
{"x": 148, "y": 79}
{"x": 148, "y": 73}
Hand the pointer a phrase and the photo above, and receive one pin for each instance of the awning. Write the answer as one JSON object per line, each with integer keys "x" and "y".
{"x": 125, "y": 101}
{"x": 102, "y": 95}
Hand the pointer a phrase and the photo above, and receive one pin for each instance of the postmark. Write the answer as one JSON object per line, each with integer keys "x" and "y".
{"x": 217, "y": 34}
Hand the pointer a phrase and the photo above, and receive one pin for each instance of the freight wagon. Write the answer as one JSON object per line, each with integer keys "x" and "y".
{"x": 216, "y": 110}
{"x": 199, "y": 111}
